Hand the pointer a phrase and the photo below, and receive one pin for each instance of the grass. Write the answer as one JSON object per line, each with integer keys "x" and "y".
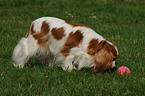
{"x": 122, "y": 23}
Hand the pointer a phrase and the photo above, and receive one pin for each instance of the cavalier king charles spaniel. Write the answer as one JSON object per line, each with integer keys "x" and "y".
{"x": 56, "y": 42}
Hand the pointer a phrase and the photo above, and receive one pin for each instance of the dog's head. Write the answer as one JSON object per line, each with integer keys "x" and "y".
{"x": 106, "y": 54}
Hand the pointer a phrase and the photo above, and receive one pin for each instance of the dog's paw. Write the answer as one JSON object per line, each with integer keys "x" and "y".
{"x": 67, "y": 69}
{"x": 20, "y": 66}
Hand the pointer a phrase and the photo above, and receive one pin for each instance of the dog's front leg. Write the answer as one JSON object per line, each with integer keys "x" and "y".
{"x": 68, "y": 63}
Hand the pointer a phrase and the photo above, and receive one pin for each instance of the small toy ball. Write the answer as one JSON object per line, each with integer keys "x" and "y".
{"x": 123, "y": 70}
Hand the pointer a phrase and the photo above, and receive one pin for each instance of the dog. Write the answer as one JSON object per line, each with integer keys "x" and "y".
{"x": 59, "y": 43}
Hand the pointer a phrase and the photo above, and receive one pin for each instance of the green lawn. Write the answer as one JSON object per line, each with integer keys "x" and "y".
{"x": 122, "y": 23}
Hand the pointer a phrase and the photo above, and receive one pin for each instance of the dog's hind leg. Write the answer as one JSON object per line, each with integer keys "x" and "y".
{"x": 26, "y": 48}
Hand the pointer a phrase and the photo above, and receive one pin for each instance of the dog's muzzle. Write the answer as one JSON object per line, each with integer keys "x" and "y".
{"x": 114, "y": 63}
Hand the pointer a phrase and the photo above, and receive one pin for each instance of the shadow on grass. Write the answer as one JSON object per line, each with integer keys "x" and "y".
{"x": 110, "y": 70}
{"x": 34, "y": 63}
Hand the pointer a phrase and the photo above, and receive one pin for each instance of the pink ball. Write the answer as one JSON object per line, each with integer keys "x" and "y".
{"x": 123, "y": 70}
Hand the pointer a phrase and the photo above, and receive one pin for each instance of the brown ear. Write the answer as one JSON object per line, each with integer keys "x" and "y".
{"x": 103, "y": 60}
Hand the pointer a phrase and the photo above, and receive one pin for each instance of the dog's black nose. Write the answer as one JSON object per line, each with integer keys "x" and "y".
{"x": 116, "y": 63}
{"x": 115, "y": 68}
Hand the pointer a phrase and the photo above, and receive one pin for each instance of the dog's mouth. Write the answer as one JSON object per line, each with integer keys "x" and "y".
{"x": 112, "y": 68}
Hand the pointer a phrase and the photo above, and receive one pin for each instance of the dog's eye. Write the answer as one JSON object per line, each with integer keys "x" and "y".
{"x": 114, "y": 59}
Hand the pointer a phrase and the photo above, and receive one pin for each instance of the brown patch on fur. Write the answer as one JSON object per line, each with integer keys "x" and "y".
{"x": 95, "y": 47}
{"x": 32, "y": 29}
{"x": 104, "y": 54}
{"x": 28, "y": 32}
{"x": 109, "y": 48}
{"x": 76, "y": 25}
{"x": 73, "y": 40}
{"x": 58, "y": 34}
{"x": 92, "y": 46}
{"x": 103, "y": 60}
{"x": 39, "y": 35}
{"x": 65, "y": 50}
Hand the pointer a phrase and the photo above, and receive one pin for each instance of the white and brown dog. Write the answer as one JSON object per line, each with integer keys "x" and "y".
{"x": 63, "y": 44}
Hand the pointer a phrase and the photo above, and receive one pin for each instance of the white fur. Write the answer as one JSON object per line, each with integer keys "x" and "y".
{"x": 28, "y": 47}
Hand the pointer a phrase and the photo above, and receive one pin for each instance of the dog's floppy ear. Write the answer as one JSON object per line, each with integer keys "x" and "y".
{"x": 103, "y": 60}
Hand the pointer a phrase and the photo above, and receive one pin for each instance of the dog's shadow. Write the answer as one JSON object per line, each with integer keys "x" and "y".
{"x": 90, "y": 70}
{"x": 34, "y": 63}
